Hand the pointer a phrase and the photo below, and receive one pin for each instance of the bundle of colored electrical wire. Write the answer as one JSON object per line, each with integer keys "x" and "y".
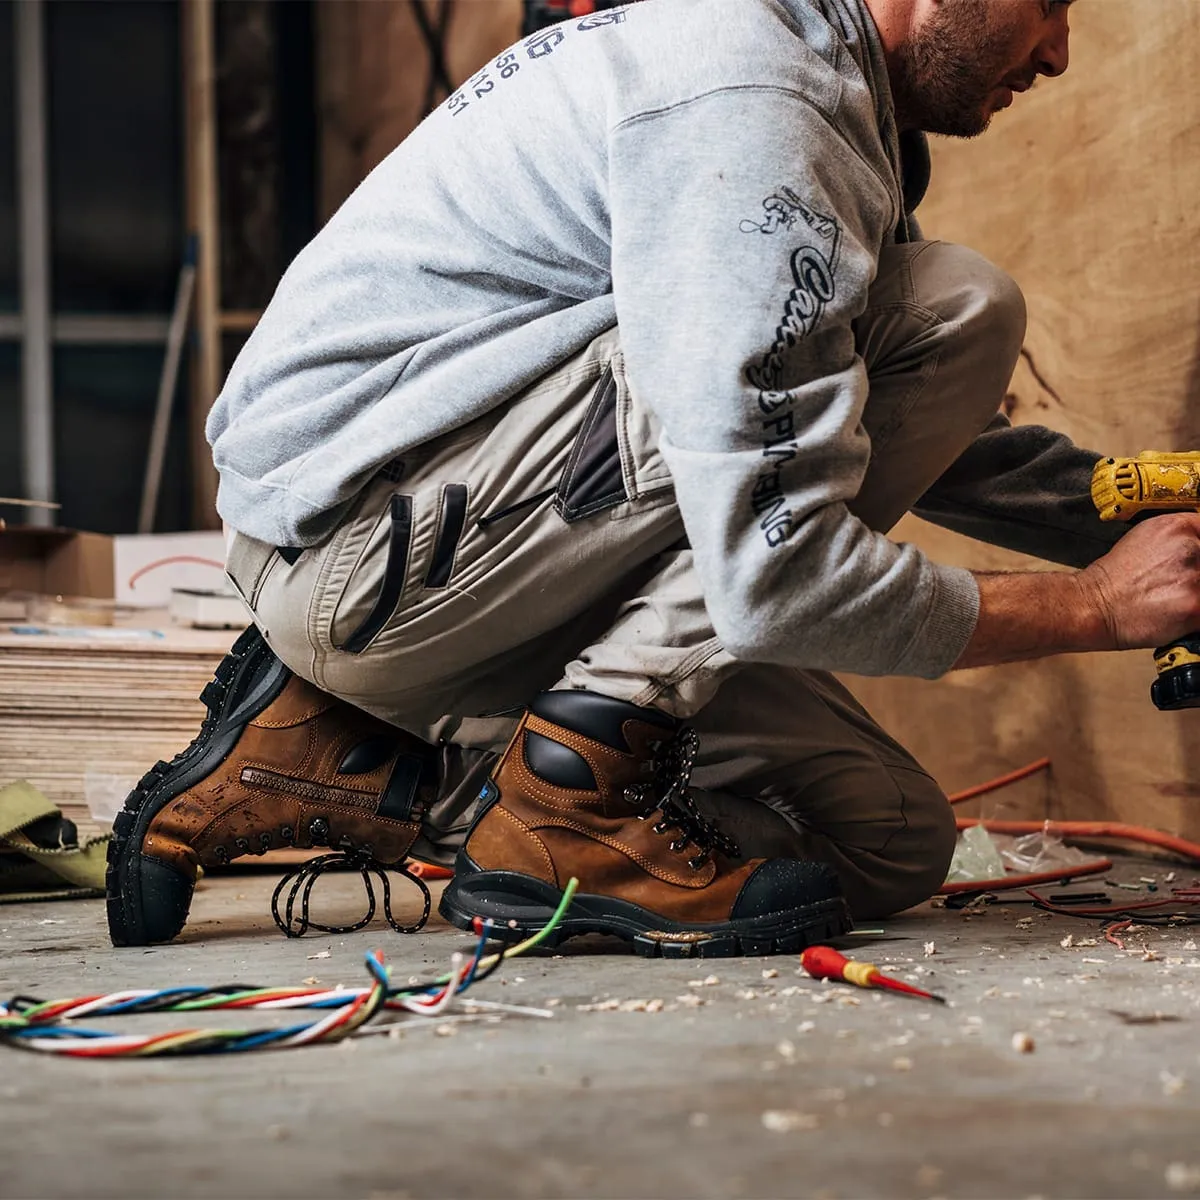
{"x": 47, "y": 1026}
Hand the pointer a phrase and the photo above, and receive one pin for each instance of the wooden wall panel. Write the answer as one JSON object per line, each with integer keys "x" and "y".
{"x": 374, "y": 71}
{"x": 1087, "y": 192}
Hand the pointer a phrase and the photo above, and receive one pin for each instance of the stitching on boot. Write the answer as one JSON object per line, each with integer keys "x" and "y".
{"x": 531, "y": 836}
{"x": 538, "y": 790}
{"x": 585, "y": 747}
{"x": 695, "y": 882}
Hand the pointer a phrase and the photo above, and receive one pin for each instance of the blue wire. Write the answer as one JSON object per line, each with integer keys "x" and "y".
{"x": 155, "y": 997}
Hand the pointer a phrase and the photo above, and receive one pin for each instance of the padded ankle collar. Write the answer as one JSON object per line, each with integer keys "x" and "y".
{"x": 597, "y": 717}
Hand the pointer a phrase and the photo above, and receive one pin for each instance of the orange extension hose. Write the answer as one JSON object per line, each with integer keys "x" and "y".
{"x": 1071, "y": 829}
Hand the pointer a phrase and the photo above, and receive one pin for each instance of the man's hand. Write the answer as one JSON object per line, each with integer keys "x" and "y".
{"x": 1142, "y": 593}
{"x": 1147, "y": 587}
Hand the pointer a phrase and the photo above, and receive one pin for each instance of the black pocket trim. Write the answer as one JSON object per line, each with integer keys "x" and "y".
{"x": 454, "y": 517}
{"x": 500, "y": 514}
{"x": 592, "y": 480}
{"x": 399, "y": 539}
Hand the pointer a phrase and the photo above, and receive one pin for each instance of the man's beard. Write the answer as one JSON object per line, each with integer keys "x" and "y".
{"x": 950, "y": 68}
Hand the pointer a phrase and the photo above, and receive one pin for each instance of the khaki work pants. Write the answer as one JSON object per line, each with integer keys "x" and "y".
{"x": 541, "y": 547}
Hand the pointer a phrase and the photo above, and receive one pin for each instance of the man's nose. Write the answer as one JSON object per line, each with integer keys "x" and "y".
{"x": 1053, "y": 54}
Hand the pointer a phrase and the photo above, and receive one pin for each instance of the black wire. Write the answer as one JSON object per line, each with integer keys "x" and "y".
{"x": 304, "y": 878}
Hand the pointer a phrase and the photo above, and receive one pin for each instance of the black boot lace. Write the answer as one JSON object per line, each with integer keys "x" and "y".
{"x": 669, "y": 794}
{"x": 304, "y": 877}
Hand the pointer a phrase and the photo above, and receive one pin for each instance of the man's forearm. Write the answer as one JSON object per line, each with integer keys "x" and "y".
{"x": 1032, "y": 615}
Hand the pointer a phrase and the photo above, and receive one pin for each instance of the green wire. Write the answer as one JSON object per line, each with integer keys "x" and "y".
{"x": 29, "y": 1016}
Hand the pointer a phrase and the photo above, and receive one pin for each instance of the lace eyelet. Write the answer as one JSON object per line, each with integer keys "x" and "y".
{"x": 699, "y": 861}
{"x": 660, "y": 828}
{"x": 242, "y": 844}
{"x": 287, "y": 833}
{"x": 221, "y": 854}
{"x": 677, "y": 845}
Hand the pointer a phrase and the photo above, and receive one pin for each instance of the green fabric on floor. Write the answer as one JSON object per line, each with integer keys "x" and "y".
{"x": 30, "y": 872}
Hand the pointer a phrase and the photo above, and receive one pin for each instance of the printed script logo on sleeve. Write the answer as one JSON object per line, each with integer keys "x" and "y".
{"x": 815, "y": 239}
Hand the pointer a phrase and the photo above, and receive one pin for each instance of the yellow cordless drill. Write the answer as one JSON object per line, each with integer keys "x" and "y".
{"x": 1123, "y": 488}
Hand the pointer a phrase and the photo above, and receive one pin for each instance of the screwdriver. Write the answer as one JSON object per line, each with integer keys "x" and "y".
{"x": 824, "y": 962}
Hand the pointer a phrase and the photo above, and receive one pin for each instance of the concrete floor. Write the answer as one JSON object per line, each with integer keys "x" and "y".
{"x": 759, "y": 1082}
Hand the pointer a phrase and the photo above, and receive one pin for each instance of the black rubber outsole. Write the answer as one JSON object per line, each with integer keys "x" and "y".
{"x": 520, "y": 906}
{"x": 247, "y": 680}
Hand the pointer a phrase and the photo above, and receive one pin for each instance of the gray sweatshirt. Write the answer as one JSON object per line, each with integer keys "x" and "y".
{"x": 613, "y": 170}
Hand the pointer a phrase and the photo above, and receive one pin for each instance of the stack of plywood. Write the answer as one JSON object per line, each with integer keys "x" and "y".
{"x": 85, "y": 713}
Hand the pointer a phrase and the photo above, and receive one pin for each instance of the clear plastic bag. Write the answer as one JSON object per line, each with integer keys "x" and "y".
{"x": 1034, "y": 853}
{"x": 975, "y": 857}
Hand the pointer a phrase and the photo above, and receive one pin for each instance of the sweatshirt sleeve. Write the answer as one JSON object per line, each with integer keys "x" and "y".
{"x": 746, "y": 232}
{"x": 1026, "y": 488}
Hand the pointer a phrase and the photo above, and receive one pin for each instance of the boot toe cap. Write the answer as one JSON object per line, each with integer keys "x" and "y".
{"x": 153, "y": 911}
{"x": 779, "y": 884}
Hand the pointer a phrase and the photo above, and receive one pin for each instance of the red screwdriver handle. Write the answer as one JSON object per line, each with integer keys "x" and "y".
{"x": 824, "y": 962}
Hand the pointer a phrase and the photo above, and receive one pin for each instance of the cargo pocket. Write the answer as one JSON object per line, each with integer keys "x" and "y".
{"x": 400, "y": 514}
{"x": 247, "y": 566}
{"x": 593, "y": 478}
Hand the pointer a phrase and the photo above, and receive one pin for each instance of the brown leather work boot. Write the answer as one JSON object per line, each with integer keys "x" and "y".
{"x": 277, "y": 763}
{"x": 598, "y": 789}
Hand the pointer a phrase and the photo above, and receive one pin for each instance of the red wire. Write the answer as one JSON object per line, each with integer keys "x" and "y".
{"x": 1000, "y": 781}
{"x": 1094, "y": 829}
{"x": 1008, "y": 882}
{"x": 1110, "y": 932}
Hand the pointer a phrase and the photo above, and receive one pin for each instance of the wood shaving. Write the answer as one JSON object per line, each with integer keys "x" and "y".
{"x": 1068, "y": 941}
{"x": 770, "y": 973}
{"x": 445, "y": 1031}
{"x": 1183, "y": 1177}
{"x": 610, "y": 1005}
{"x": 320, "y": 954}
{"x": 902, "y": 1064}
{"x": 1023, "y": 1043}
{"x": 690, "y": 1000}
{"x": 788, "y": 1120}
{"x": 1172, "y": 1085}
{"x": 930, "y": 949}
{"x": 929, "y": 1176}
{"x": 786, "y": 1050}
{"x": 698, "y": 1120}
